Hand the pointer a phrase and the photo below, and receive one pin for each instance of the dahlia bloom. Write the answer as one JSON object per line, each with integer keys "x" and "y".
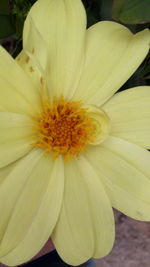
{"x": 70, "y": 148}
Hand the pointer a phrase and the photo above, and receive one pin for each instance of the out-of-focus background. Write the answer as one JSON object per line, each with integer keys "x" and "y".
{"x": 132, "y": 245}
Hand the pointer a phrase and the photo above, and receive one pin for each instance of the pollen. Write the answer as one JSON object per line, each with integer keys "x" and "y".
{"x": 64, "y": 128}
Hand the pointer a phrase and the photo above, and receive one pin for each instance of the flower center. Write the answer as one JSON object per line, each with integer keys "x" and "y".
{"x": 65, "y": 128}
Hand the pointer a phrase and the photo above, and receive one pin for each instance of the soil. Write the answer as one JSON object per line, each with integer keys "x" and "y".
{"x": 132, "y": 245}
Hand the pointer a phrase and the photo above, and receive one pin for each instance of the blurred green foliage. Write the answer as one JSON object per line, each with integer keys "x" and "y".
{"x": 135, "y": 14}
{"x": 20, "y": 10}
{"x": 5, "y": 7}
{"x": 131, "y": 11}
{"x": 6, "y": 19}
{"x": 6, "y": 26}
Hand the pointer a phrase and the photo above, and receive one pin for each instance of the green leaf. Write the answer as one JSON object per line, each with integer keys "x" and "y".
{"x": 4, "y": 7}
{"x": 7, "y": 26}
{"x": 106, "y": 9}
{"x": 131, "y": 11}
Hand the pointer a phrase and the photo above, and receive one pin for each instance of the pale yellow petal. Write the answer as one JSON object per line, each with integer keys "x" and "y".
{"x": 29, "y": 64}
{"x": 85, "y": 227}
{"x": 34, "y": 42}
{"x": 16, "y": 90}
{"x": 129, "y": 112}
{"x": 113, "y": 53}
{"x": 14, "y": 126}
{"x": 101, "y": 122}
{"x": 34, "y": 57}
{"x": 16, "y": 137}
{"x": 14, "y": 150}
{"x": 6, "y": 170}
{"x": 13, "y": 186}
{"x": 62, "y": 25}
{"x": 36, "y": 200}
{"x": 124, "y": 169}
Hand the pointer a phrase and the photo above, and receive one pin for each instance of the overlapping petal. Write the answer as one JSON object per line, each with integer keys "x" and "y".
{"x": 16, "y": 136}
{"x": 129, "y": 112}
{"x": 62, "y": 25}
{"x": 113, "y": 53}
{"x": 35, "y": 189}
{"x": 32, "y": 68}
{"x": 6, "y": 170}
{"x": 16, "y": 90}
{"x": 80, "y": 232}
{"x": 34, "y": 43}
{"x": 124, "y": 170}
{"x": 34, "y": 58}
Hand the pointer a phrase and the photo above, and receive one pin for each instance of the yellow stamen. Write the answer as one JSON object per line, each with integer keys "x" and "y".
{"x": 64, "y": 128}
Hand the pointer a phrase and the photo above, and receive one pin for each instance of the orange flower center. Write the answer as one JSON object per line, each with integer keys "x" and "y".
{"x": 65, "y": 129}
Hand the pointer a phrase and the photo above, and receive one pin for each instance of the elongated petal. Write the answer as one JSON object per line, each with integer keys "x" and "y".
{"x": 62, "y": 25}
{"x": 129, "y": 112}
{"x": 85, "y": 227}
{"x": 124, "y": 169}
{"x": 34, "y": 202}
{"x": 12, "y": 187}
{"x": 16, "y": 137}
{"x": 6, "y": 170}
{"x": 34, "y": 57}
{"x": 34, "y": 42}
{"x": 14, "y": 150}
{"x": 14, "y": 126}
{"x": 16, "y": 90}
{"x": 29, "y": 64}
{"x": 113, "y": 53}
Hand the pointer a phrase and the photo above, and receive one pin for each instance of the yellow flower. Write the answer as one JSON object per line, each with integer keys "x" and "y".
{"x": 69, "y": 149}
